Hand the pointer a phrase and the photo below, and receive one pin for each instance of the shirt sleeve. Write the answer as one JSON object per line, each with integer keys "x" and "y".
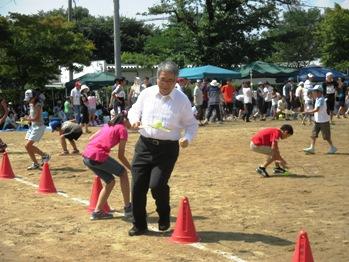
{"x": 189, "y": 122}
{"x": 319, "y": 102}
{"x": 123, "y": 133}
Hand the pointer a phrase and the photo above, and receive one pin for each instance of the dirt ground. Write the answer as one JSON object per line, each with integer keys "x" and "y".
{"x": 234, "y": 210}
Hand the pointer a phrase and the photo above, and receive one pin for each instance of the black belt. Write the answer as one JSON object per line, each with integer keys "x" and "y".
{"x": 158, "y": 142}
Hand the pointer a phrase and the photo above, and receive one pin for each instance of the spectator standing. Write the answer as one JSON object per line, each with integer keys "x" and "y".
{"x": 118, "y": 96}
{"x": 228, "y": 91}
{"x": 341, "y": 94}
{"x": 92, "y": 105}
{"x": 84, "y": 108}
{"x": 248, "y": 106}
{"x": 198, "y": 100}
{"x": 329, "y": 87}
{"x": 75, "y": 98}
{"x": 214, "y": 99}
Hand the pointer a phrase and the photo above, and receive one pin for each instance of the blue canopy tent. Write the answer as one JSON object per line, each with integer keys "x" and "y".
{"x": 319, "y": 73}
{"x": 209, "y": 71}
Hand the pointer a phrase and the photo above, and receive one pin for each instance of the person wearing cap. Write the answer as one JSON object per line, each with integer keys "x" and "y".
{"x": 162, "y": 114}
{"x": 214, "y": 100}
{"x": 75, "y": 95}
{"x": 118, "y": 95}
{"x": 298, "y": 101}
{"x": 308, "y": 85}
{"x": 134, "y": 92}
{"x": 68, "y": 130}
{"x": 3, "y": 115}
{"x": 322, "y": 122}
{"x": 96, "y": 157}
{"x": 329, "y": 88}
{"x": 85, "y": 119}
{"x": 36, "y": 130}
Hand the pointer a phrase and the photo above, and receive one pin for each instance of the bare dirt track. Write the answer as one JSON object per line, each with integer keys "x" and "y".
{"x": 234, "y": 210}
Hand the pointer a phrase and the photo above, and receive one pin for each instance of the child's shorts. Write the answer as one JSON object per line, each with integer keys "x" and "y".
{"x": 105, "y": 170}
{"x": 265, "y": 150}
{"x": 35, "y": 133}
{"x": 324, "y": 128}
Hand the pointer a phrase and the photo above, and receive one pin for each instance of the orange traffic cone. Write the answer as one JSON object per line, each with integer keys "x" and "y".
{"x": 46, "y": 185}
{"x": 96, "y": 189}
{"x": 302, "y": 252}
{"x": 184, "y": 232}
{"x": 6, "y": 171}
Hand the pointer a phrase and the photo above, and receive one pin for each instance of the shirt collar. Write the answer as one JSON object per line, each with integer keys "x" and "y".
{"x": 171, "y": 95}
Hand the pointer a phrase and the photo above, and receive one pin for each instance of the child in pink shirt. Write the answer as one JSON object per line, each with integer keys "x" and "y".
{"x": 96, "y": 157}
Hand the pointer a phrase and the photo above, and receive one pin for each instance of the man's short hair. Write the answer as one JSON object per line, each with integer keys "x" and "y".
{"x": 287, "y": 128}
{"x": 168, "y": 66}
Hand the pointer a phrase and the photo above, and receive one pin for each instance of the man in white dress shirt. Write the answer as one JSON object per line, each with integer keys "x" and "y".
{"x": 161, "y": 113}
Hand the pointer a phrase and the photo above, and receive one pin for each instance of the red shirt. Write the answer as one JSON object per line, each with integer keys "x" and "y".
{"x": 266, "y": 137}
{"x": 228, "y": 93}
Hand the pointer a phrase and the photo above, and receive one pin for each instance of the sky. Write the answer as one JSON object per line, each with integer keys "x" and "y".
{"x": 128, "y": 8}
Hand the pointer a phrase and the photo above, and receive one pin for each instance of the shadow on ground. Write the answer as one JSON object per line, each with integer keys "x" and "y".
{"x": 216, "y": 236}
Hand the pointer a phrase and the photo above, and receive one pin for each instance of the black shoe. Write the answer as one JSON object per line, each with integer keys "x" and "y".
{"x": 279, "y": 170}
{"x": 163, "y": 226}
{"x": 262, "y": 171}
{"x": 134, "y": 231}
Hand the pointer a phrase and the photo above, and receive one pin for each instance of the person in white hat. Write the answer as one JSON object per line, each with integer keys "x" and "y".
{"x": 214, "y": 100}
{"x": 330, "y": 86}
{"x": 322, "y": 122}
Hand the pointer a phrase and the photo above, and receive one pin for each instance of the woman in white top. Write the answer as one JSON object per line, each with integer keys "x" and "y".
{"x": 247, "y": 92}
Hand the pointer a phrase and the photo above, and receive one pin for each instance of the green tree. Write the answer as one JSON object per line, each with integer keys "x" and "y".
{"x": 221, "y": 32}
{"x": 294, "y": 38}
{"x": 100, "y": 31}
{"x": 36, "y": 46}
{"x": 333, "y": 34}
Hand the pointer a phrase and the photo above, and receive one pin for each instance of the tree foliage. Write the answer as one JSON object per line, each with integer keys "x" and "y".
{"x": 221, "y": 32}
{"x": 294, "y": 38}
{"x": 333, "y": 34}
{"x": 36, "y": 46}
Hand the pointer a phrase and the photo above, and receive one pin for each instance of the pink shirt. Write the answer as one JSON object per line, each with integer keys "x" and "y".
{"x": 99, "y": 147}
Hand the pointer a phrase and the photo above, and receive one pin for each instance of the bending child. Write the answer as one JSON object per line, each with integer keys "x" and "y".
{"x": 265, "y": 142}
{"x": 68, "y": 130}
{"x": 96, "y": 157}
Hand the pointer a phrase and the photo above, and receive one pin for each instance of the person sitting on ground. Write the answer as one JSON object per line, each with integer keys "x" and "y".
{"x": 265, "y": 142}
{"x": 68, "y": 130}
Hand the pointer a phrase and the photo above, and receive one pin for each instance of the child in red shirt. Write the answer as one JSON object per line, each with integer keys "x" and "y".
{"x": 265, "y": 142}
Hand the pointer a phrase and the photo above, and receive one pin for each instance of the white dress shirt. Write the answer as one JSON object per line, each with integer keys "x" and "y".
{"x": 173, "y": 110}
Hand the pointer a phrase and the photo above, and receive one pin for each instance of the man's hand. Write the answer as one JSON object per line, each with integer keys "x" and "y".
{"x": 136, "y": 125}
{"x": 183, "y": 142}
{"x": 283, "y": 163}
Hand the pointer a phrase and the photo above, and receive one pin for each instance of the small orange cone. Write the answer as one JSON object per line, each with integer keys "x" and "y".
{"x": 184, "y": 232}
{"x": 6, "y": 171}
{"x": 96, "y": 189}
{"x": 46, "y": 185}
{"x": 302, "y": 252}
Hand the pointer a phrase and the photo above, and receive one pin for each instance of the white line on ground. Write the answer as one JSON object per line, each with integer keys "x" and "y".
{"x": 200, "y": 246}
